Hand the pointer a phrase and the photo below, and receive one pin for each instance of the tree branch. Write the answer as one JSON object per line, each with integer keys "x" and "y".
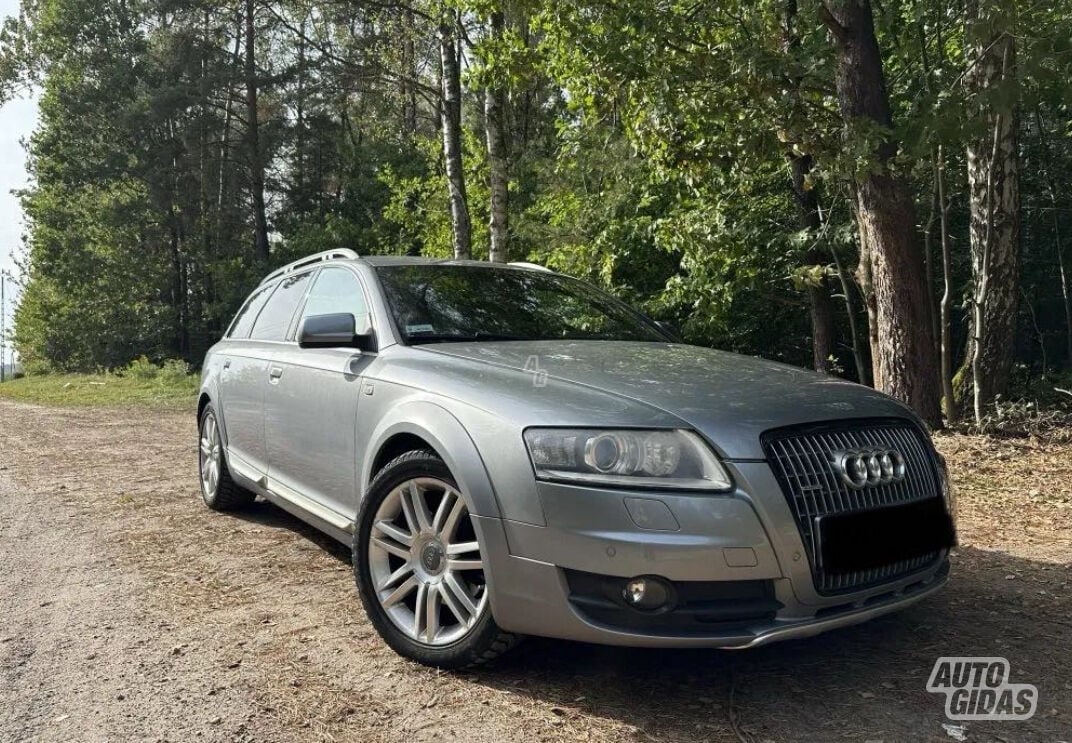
{"x": 838, "y": 31}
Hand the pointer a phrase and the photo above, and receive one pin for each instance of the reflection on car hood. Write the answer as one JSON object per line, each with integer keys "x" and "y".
{"x": 729, "y": 398}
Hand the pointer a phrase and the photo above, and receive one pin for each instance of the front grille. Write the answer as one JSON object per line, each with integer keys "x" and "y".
{"x": 803, "y": 463}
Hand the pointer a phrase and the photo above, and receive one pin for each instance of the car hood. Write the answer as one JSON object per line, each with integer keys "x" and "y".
{"x": 729, "y": 398}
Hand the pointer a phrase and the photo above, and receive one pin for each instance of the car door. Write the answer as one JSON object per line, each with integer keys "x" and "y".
{"x": 243, "y": 366}
{"x": 311, "y": 407}
{"x": 246, "y": 376}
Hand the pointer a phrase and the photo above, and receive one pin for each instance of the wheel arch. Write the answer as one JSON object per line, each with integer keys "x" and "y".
{"x": 210, "y": 394}
{"x": 425, "y": 425}
{"x": 202, "y": 403}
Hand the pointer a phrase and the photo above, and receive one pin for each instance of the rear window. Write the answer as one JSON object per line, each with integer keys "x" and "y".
{"x": 274, "y": 321}
{"x": 243, "y": 321}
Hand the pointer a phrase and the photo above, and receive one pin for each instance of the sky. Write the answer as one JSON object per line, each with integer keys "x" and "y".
{"x": 17, "y": 121}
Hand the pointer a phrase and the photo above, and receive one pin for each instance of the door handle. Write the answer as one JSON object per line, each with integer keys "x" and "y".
{"x": 227, "y": 364}
{"x": 274, "y": 373}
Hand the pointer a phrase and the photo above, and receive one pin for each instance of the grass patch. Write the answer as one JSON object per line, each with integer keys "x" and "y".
{"x": 164, "y": 392}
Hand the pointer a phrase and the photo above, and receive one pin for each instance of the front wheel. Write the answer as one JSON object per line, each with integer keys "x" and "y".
{"x": 420, "y": 569}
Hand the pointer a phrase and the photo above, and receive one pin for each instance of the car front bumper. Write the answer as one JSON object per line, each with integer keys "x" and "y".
{"x": 744, "y": 538}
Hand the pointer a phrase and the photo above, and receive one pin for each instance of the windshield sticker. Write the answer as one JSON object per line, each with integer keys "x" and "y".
{"x": 410, "y": 329}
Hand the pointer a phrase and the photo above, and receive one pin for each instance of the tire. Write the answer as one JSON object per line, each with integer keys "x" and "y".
{"x": 219, "y": 491}
{"x": 426, "y": 599}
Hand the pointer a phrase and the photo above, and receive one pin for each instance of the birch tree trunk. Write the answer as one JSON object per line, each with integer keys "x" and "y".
{"x": 498, "y": 177}
{"x": 905, "y": 365}
{"x": 253, "y": 142}
{"x": 949, "y": 400}
{"x": 451, "y": 112}
{"x": 409, "y": 73}
{"x": 994, "y": 194}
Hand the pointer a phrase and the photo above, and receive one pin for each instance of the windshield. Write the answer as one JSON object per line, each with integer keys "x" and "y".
{"x": 440, "y": 303}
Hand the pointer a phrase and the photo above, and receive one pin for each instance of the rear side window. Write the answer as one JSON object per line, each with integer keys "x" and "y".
{"x": 244, "y": 319}
{"x": 274, "y": 321}
{"x": 336, "y": 290}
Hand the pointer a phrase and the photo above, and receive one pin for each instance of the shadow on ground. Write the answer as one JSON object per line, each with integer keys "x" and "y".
{"x": 859, "y": 683}
{"x": 269, "y": 515}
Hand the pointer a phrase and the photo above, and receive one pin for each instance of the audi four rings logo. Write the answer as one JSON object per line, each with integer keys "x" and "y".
{"x": 862, "y": 467}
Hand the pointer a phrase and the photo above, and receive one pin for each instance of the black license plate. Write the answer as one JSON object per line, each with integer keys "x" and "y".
{"x": 882, "y": 536}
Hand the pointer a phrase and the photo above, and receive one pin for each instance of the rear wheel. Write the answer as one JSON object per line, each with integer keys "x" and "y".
{"x": 420, "y": 568}
{"x": 219, "y": 491}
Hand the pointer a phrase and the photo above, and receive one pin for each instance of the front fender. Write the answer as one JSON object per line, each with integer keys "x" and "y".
{"x": 452, "y": 443}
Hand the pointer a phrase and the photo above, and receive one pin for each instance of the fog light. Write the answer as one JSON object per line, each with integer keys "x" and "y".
{"x": 646, "y": 593}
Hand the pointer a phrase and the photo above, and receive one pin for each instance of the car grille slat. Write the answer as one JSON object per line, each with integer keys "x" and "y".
{"x": 803, "y": 462}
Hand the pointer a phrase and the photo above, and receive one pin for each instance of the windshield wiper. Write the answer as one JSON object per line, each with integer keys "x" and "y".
{"x": 461, "y": 337}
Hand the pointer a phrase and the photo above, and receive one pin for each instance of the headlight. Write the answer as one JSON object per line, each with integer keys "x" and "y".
{"x": 631, "y": 458}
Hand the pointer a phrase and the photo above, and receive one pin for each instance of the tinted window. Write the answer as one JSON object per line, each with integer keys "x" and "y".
{"x": 244, "y": 319}
{"x": 274, "y": 320}
{"x": 443, "y": 302}
{"x": 336, "y": 290}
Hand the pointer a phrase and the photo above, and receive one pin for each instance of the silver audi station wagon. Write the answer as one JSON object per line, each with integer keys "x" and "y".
{"x": 510, "y": 452}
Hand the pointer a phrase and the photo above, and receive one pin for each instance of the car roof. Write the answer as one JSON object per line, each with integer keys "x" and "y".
{"x": 408, "y": 260}
{"x": 343, "y": 256}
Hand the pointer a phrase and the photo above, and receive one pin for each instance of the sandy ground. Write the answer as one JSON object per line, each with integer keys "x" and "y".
{"x": 128, "y": 612}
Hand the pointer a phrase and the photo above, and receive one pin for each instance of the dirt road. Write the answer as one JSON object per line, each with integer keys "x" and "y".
{"x": 130, "y": 612}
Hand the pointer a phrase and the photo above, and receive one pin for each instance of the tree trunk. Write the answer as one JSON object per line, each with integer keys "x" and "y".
{"x": 1063, "y": 272}
{"x": 928, "y": 264}
{"x": 863, "y": 371}
{"x": 994, "y": 191}
{"x": 1051, "y": 186}
{"x": 408, "y": 84}
{"x": 936, "y": 201}
{"x": 180, "y": 342}
{"x": 867, "y": 293}
{"x": 498, "y": 178}
{"x": 253, "y": 144}
{"x": 820, "y": 303}
{"x": 299, "y": 126}
{"x": 949, "y": 400}
{"x": 905, "y": 364}
{"x": 452, "y": 138}
{"x": 1065, "y": 295}
{"x": 180, "y": 337}
{"x": 225, "y": 136}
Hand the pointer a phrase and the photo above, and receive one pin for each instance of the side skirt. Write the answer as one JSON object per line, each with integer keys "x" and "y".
{"x": 319, "y": 517}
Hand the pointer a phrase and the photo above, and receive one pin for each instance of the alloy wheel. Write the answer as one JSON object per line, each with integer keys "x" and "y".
{"x": 211, "y": 455}
{"x": 425, "y": 562}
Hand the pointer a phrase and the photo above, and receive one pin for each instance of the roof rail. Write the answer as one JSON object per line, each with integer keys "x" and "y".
{"x": 327, "y": 255}
{"x": 532, "y": 266}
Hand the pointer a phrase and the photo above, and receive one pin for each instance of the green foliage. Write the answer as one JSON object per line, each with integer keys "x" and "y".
{"x": 417, "y": 215}
{"x": 142, "y": 369}
{"x": 167, "y": 390}
{"x": 649, "y": 149}
{"x": 173, "y": 372}
{"x": 169, "y": 373}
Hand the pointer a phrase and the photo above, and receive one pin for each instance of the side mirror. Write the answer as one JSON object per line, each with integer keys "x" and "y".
{"x": 339, "y": 330}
